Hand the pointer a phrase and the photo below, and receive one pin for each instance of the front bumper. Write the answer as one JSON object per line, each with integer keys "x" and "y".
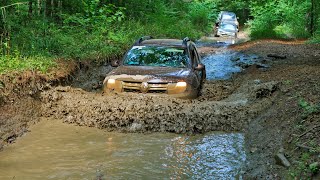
{"x": 174, "y": 89}
{"x": 226, "y": 34}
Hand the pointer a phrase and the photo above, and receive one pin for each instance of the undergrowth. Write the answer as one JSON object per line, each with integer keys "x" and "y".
{"x": 34, "y": 63}
{"x": 99, "y": 31}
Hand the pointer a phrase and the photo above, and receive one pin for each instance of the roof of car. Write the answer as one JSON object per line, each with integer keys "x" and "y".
{"x": 163, "y": 42}
{"x": 227, "y": 12}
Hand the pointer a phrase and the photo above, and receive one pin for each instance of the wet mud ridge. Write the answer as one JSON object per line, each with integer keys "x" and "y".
{"x": 131, "y": 112}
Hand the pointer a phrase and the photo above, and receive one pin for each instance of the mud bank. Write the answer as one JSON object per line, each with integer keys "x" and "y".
{"x": 19, "y": 98}
{"x": 146, "y": 113}
{"x": 15, "y": 85}
{"x": 16, "y": 117}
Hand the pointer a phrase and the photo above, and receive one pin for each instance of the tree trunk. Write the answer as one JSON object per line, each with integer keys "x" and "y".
{"x": 39, "y": 7}
{"x": 312, "y": 17}
{"x": 60, "y": 7}
{"x": 30, "y": 8}
{"x": 52, "y": 8}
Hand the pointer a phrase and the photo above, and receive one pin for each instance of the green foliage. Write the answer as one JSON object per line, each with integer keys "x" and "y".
{"x": 95, "y": 15}
{"x": 316, "y": 38}
{"x": 305, "y": 167}
{"x": 92, "y": 29}
{"x": 96, "y": 29}
{"x": 308, "y": 108}
{"x": 295, "y": 17}
{"x": 280, "y": 19}
{"x": 314, "y": 168}
{"x": 201, "y": 15}
{"x": 266, "y": 19}
{"x": 17, "y": 63}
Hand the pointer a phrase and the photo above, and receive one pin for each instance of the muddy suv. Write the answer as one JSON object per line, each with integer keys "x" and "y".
{"x": 227, "y": 17}
{"x": 226, "y": 29}
{"x": 159, "y": 66}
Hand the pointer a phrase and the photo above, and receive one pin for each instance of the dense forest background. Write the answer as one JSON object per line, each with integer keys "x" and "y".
{"x": 36, "y": 32}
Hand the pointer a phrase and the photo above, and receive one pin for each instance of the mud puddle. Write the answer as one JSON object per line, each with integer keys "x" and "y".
{"x": 223, "y": 63}
{"x": 54, "y": 150}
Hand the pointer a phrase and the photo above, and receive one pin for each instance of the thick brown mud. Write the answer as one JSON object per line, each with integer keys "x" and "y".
{"x": 226, "y": 104}
{"x": 132, "y": 112}
{"x": 16, "y": 118}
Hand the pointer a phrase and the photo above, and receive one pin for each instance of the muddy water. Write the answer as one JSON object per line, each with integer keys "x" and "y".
{"x": 221, "y": 65}
{"x": 54, "y": 150}
{"x": 224, "y": 63}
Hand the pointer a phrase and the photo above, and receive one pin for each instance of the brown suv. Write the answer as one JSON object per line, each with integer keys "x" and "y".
{"x": 165, "y": 66}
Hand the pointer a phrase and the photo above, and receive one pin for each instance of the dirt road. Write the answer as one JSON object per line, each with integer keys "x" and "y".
{"x": 265, "y": 100}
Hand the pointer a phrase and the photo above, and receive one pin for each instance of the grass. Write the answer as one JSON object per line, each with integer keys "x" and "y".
{"x": 308, "y": 108}
{"x": 16, "y": 63}
{"x": 315, "y": 39}
{"x": 97, "y": 43}
{"x": 306, "y": 164}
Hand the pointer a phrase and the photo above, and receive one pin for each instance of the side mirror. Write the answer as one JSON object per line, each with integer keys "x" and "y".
{"x": 115, "y": 63}
{"x": 200, "y": 67}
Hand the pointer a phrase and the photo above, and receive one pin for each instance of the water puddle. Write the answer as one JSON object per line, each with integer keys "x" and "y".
{"x": 53, "y": 150}
{"x": 224, "y": 63}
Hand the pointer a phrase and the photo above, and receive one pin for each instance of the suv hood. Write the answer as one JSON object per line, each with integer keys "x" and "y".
{"x": 147, "y": 73}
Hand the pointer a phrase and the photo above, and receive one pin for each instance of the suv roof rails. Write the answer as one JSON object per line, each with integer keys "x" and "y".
{"x": 139, "y": 41}
{"x": 185, "y": 41}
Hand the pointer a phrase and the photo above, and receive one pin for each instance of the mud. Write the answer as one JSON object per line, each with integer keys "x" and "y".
{"x": 131, "y": 112}
{"x": 56, "y": 150}
{"x": 19, "y": 98}
{"x": 16, "y": 118}
{"x": 90, "y": 76}
{"x": 262, "y": 100}
{"x": 226, "y": 105}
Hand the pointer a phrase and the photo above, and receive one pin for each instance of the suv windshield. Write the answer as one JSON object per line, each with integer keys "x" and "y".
{"x": 157, "y": 56}
{"x": 228, "y": 27}
{"x": 228, "y": 17}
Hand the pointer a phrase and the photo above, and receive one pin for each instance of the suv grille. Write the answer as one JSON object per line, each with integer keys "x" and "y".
{"x": 129, "y": 86}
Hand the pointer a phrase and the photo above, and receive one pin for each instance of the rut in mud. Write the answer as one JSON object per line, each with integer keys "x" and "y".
{"x": 224, "y": 105}
{"x": 140, "y": 113}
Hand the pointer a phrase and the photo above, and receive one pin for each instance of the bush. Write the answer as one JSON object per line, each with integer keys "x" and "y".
{"x": 266, "y": 18}
{"x": 17, "y": 63}
{"x": 96, "y": 31}
{"x": 280, "y": 19}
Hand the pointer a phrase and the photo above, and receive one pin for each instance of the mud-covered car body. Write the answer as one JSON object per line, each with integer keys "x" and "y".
{"x": 227, "y": 29}
{"x": 228, "y": 18}
{"x": 159, "y": 66}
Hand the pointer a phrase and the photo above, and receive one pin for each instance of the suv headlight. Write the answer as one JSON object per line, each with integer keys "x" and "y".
{"x": 181, "y": 84}
{"x": 111, "y": 83}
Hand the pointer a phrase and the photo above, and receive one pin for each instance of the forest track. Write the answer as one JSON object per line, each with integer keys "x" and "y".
{"x": 261, "y": 102}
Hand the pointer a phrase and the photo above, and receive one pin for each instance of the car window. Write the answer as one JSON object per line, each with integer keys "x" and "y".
{"x": 229, "y": 27}
{"x": 157, "y": 56}
{"x": 228, "y": 17}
